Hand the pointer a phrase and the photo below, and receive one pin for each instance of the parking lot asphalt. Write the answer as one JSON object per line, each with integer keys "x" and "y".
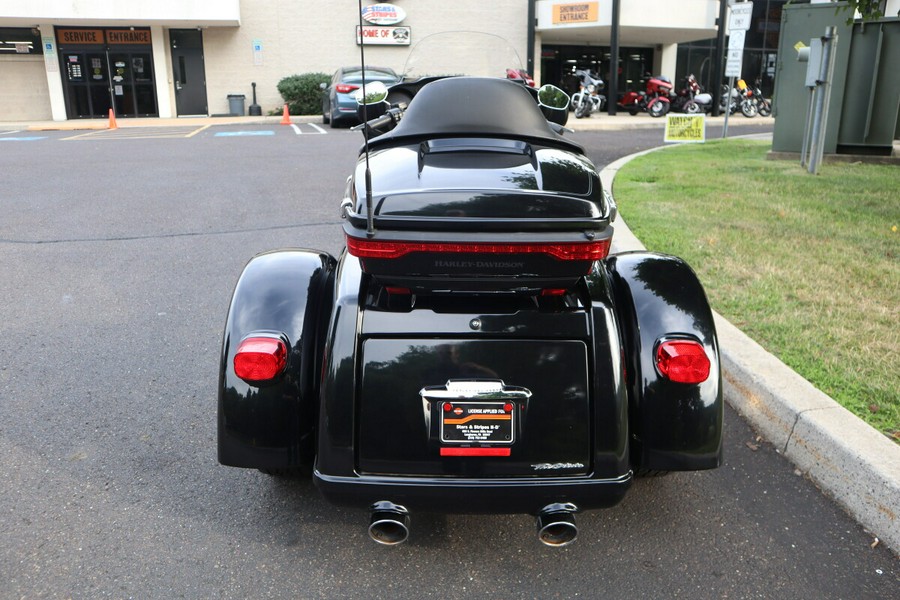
{"x": 601, "y": 121}
{"x": 849, "y": 460}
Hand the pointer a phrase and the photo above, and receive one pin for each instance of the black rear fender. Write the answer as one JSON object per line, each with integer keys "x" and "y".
{"x": 271, "y": 425}
{"x": 674, "y": 426}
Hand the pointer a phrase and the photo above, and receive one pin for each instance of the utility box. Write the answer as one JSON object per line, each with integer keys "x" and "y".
{"x": 869, "y": 121}
{"x": 236, "y": 105}
{"x": 865, "y": 87}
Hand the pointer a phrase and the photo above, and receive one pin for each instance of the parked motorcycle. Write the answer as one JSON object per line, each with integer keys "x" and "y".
{"x": 655, "y": 100}
{"x": 690, "y": 98}
{"x": 729, "y": 99}
{"x": 748, "y": 104}
{"x": 763, "y": 104}
{"x": 588, "y": 98}
{"x": 520, "y": 75}
{"x": 475, "y": 348}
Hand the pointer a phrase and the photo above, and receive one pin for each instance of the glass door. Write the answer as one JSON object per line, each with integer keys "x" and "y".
{"x": 107, "y": 68}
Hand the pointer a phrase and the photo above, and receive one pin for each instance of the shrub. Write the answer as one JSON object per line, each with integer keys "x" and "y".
{"x": 302, "y": 92}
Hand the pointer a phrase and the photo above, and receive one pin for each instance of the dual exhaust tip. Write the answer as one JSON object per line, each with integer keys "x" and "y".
{"x": 389, "y": 524}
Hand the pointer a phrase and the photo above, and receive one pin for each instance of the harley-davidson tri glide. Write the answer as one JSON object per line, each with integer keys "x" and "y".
{"x": 475, "y": 348}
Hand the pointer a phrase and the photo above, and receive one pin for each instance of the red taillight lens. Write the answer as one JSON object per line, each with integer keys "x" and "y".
{"x": 345, "y": 88}
{"x": 260, "y": 358}
{"x": 682, "y": 361}
{"x": 595, "y": 250}
{"x": 398, "y": 291}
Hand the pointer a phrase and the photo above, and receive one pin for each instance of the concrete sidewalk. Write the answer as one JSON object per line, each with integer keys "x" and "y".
{"x": 845, "y": 457}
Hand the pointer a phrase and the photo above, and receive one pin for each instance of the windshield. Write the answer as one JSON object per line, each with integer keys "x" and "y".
{"x": 461, "y": 53}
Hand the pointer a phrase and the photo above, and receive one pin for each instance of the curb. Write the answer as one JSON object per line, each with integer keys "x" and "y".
{"x": 846, "y": 458}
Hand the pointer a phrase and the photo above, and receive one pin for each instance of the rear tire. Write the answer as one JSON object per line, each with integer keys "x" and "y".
{"x": 291, "y": 473}
{"x": 644, "y": 473}
{"x": 765, "y": 108}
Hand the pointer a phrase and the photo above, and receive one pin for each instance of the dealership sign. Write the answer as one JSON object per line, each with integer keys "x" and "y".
{"x": 576, "y": 12}
{"x": 383, "y": 36}
{"x": 383, "y": 14}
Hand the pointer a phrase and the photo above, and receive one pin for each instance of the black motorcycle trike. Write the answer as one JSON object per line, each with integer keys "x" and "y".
{"x": 475, "y": 348}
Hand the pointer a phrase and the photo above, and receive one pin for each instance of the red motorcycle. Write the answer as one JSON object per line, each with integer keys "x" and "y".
{"x": 655, "y": 100}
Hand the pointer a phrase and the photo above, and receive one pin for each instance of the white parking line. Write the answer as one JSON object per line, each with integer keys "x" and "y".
{"x": 10, "y": 132}
{"x": 319, "y": 130}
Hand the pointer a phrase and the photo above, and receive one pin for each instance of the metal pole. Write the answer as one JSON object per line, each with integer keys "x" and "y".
{"x": 729, "y": 93}
{"x": 804, "y": 150}
{"x": 720, "y": 57}
{"x": 823, "y": 88}
{"x": 529, "y": 63}
{"x": 612, "y": 83}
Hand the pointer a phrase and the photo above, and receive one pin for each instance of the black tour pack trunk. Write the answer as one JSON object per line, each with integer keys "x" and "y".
{"x": 476, "y": 193}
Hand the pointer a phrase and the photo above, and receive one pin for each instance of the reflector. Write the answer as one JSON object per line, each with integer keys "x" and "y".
{"x": 260, "y": 358}
{"x": 682, "y": 361}
{"x": 475, "y": 451}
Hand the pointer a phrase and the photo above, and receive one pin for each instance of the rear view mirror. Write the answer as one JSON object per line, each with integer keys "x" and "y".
{"x": 554, "y": 104}
{"x": 376, "y": 92}
{"x": 553, "y": 97}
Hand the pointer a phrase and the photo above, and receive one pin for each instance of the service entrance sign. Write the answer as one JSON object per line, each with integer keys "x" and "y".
{"x": 685, "y": 128}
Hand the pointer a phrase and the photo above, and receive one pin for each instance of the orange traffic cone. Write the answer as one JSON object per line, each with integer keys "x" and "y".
{"x": 112, "y": 120}
{"x": 286, "y": 118}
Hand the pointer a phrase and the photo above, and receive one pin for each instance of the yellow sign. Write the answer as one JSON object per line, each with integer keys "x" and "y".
{"x": 580, "y": 12}
{"x": 685, "y": 128}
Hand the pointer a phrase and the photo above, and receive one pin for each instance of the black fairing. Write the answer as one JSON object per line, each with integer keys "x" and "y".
{"x": 674, "y": 426}
{"x": 474, "y": 107}
{"x": 272, "y": 425}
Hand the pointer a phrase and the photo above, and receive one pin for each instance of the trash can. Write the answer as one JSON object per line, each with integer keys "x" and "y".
{"x": 236, "y": 105}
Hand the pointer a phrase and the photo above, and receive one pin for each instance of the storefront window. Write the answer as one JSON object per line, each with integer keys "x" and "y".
{"x": 20, "y": 41}
{"x": 760, "y": 50}
{"x": 106, "y": 68}
{"x": 559, "y": 63}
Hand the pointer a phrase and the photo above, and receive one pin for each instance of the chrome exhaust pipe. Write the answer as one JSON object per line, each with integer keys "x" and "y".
{"x": 389, "y": 524}
{"x": 556, "y": 525}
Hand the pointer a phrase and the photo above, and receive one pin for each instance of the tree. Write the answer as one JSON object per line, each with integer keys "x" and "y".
{"x": 869, "y": 10}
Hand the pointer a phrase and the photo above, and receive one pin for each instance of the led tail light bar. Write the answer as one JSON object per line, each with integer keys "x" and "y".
{"x": 390, "y": 249}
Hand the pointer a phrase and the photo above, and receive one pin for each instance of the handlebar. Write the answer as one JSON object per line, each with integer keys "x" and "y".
{"x": 391, "y": 117}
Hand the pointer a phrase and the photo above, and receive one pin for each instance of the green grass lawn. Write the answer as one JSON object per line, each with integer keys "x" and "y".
{"x": 806, "y": 265}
